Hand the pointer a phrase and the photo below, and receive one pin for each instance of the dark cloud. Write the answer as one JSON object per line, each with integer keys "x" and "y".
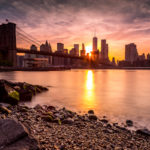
{"x": 75, "y": 20}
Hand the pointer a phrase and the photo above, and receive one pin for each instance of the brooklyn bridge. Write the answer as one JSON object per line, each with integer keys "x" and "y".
{"x": 10, "y": 36}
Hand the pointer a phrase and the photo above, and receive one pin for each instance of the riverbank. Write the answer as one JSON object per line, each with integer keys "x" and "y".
{"x": 62, "y": 129}
{"x": 6, "y": 69}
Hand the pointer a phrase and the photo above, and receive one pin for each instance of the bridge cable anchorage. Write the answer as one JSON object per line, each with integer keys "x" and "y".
{"x": 27, "y": 34}
{"x": 27, "y": 38}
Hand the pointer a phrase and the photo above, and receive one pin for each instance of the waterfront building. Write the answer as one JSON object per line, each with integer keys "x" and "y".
{"x": 65, "y": 51}
{"x": 148, "y": 56}
{"x": 104, "y": 52}
{"x": 141, "y": 57}
{"x": 33, "y": 48}
{"x": 60, "y": 47}
{"x": 131, "y": 53}
{"x": 46, "y": 47}
{"x": 113, "y": 61}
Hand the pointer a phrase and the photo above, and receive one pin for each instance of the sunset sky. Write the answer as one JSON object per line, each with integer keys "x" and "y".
{"x": 74, "y": 21}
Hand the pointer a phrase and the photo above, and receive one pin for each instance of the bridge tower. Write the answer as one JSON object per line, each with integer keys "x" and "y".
{"x": 8, "y": 43}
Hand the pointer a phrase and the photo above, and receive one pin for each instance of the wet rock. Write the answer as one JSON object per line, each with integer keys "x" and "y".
{"x": 12, "y": 93}
{"x": 91, "y": 112}
{"x": 57, "y": 120}
{"x": 51, "y": 108}
{"x": 68, "y": 121}
{"x": 63, "y": 147}
{"x": 129, "y": 123}
{"x": 144, "y": 132}
{"x": 38, "y": 107}
{"x": 8, "y": 94}
{"x": 14, "y": 135}
{"x": 104, "y": 121}
{"x": 93, "y": 117}
{"x": 109, "y": 126}
{"x": 5, "y": 110}
{"x": 48, "y": 118}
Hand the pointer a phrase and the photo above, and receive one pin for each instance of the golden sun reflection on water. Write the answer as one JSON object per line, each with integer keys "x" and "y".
{"x": 89, "y": 93}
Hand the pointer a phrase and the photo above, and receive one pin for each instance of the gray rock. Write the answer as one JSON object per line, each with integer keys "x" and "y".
{"x": 14, "y": 135}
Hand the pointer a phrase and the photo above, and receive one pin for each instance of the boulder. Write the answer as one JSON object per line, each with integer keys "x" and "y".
{"x": 8, "y": 94}
{"x": 14, "y": 136}
{"x": 144, "y": 132}
{"x": 91, "y": 112}
{"x": 12, "y": 93}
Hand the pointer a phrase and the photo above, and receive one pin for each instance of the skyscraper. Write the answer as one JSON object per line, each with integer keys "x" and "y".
{"x": 94, "y": 44}
{"x": 46, "y": 47}
{"x": 104, "y": 50}
{"x": 131, "y": 53}
{"x": 76, "y": 47}
{"x": 83, "y": 50}
{"x": 60, "y": 47}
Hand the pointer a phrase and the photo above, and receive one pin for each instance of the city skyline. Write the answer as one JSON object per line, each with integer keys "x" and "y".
{"x": 69, "y": 22}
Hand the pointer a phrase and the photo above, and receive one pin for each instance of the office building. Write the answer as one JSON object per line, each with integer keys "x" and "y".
{"x": 60, "y": 47}
{"x": 94, "y": 44}
{"x": 131, "y": 53}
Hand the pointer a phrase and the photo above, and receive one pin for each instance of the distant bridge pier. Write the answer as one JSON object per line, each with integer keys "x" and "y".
{"x": 8, "y": 43}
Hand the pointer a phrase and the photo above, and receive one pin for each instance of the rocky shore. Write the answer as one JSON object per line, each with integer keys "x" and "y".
{"x": 15, "y": 92}
{"x": 50, "y": 128}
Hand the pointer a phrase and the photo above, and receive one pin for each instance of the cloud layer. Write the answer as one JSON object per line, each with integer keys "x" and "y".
{"x": 75, "y": 21}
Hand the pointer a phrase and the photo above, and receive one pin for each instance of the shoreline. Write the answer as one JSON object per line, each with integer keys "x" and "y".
{"x": 10, "y": 69}
{"x": 63, "y": 129}
{"x": 7, "y": 69}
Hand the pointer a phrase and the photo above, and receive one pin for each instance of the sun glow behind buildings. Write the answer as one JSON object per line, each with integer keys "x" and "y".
{"x": 88, "y": 49}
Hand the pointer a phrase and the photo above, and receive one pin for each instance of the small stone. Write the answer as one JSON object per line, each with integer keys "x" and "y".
{"x": 129, "y": 123}
{"x": 68, "y": 121}
{"x": 47, "y": 118}
{"x": 38, "y": 107}
{"x": 62, "y": 147}
{"x": 104, "y": 121}
{"x": 5, "y": 110}
{"x": 91, "y": 112}
{"x": 92, "y": 117}
{"x": 51, "y": 108}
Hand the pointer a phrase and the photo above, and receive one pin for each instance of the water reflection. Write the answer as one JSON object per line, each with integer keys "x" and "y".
{"x": 89, "y": 93}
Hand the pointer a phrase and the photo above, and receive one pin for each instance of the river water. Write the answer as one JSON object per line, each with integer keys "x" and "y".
{"x": 117, "y": 94}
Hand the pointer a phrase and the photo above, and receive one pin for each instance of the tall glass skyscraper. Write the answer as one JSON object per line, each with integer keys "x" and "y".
{"x": 94, "y": 43}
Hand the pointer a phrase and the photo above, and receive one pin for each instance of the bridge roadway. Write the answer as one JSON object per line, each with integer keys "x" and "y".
{"x": 57, "y": 54}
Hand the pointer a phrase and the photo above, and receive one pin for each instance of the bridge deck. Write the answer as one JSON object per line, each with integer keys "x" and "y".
{"x": 19, "y": 50}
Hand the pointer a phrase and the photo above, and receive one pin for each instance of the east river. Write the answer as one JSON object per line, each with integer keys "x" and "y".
{"x": 117, "y": 94}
